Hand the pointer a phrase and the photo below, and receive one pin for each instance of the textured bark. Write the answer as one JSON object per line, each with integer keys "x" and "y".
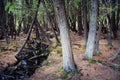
{"x": 113, "y": 21}
{"x": 68, "y": 60}
{"x": 80, "y": 19}
{"x": 118, "y": 15}
{"x": 42, "y": 31}
{"x": 51, "y": 25}
{"x": 96, "y": 52}
{"x": 109, "y": 32}
{"x": 11, "y": 25}
{"x": 85, "y": 21}
{"x": 92, "y": 32}
{"x": 3, "y": 21}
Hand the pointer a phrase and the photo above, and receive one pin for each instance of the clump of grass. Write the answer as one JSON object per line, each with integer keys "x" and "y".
{"x": 92, "y": 61}
{"x": 59, "y": 51}
{"x": 65, "y": 75}
{"x": 2, "y": 49}
{"x": 84, "y": 47}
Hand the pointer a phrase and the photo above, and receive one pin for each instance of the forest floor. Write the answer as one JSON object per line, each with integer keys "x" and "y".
{"x": 100, "y": 68}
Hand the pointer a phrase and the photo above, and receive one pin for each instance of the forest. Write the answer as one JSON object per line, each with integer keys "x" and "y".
{"x": 59, "y": 39}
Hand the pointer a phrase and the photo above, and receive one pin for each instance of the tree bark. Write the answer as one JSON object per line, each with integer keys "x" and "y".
{"x": 85, "y": 20}
{"x": 51, "y": 25}
{"x": 68, "y": 60}
{"x": 3, "y": 21}
{"x": 92, "y": 32}
{"x": 113, "y": 21}
{"x": 96, "y": 52}
{"x": 118, "y": 15}
{"x": 80, "y": 19}
{"x": 42, "y": 31}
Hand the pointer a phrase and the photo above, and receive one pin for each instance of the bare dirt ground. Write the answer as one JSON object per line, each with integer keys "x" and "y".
{"x": 101, "y": 68}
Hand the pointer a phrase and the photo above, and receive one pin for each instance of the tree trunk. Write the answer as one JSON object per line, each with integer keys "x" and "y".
{"x": 42, "y": 31}
{"x": 109, "y": 32}
{"x": 85, "y": 20}
{"x": 68, "y": 60}
{"x": 92, "y": 32}
{"x": 3, "y": 21}
{"x": 11, "y": 25}
{"x": 118, "y": 15}
{"x": 80, "y": 19}
{"x": 51, "y": 25}
{"x": 96, "y": 52}
{"x": 113, "y": 21}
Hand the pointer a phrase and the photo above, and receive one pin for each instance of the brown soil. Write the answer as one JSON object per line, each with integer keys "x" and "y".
{"x": 98, "y": 69}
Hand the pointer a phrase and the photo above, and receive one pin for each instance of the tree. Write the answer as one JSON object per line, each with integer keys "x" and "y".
{"x": 68, "y": 60}
{"x": 49, "y": 20}
{"x": 85, "y": 20}
{"x": 92, "y": 32}
{"x": 3, "y": 27}
{"x": 113, "y": 21}
{"x": 80, "y": 19}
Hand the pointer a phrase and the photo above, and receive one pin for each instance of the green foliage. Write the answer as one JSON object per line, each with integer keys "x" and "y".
{"x": 76, "y": 3}
{"x": 10, "y": 7}
{"x": 102, "y": 18}
{"x": 61, "y": 68}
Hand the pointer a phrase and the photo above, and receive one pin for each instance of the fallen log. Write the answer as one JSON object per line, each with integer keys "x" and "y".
{"x": 115, "y": 55}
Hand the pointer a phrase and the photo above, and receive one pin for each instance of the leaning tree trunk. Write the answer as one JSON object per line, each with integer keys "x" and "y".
{"x": 30, "y": 30}
{"x": 92, "y": 32}
{"x": 68, "y": 60}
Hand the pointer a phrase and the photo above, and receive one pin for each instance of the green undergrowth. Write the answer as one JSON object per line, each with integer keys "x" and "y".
{"x": 57, "y": 49}
{"x": 92, "y": 61}
{"x": 65, "y": 75}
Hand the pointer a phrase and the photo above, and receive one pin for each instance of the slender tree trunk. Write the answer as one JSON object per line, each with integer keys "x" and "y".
{"x": 92, "y": 32}
{"x": 68, "y": 60}
{"x": 113, "y": 21}
{"x": 19, "y": 27}
{"x": 80, "y": 19}
{"x": 51, "y": 25}
{"x": 85, "y": 20}
{"x": 96, "y": 52}
{"x": 109, "y": 32}
{"x": 42, "y": 31}
{"x": 118, "y": 15}
{"x": 3, "y": 21}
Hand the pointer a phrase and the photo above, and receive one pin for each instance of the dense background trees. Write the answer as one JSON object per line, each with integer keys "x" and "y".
{"x": 88, "y": 18}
